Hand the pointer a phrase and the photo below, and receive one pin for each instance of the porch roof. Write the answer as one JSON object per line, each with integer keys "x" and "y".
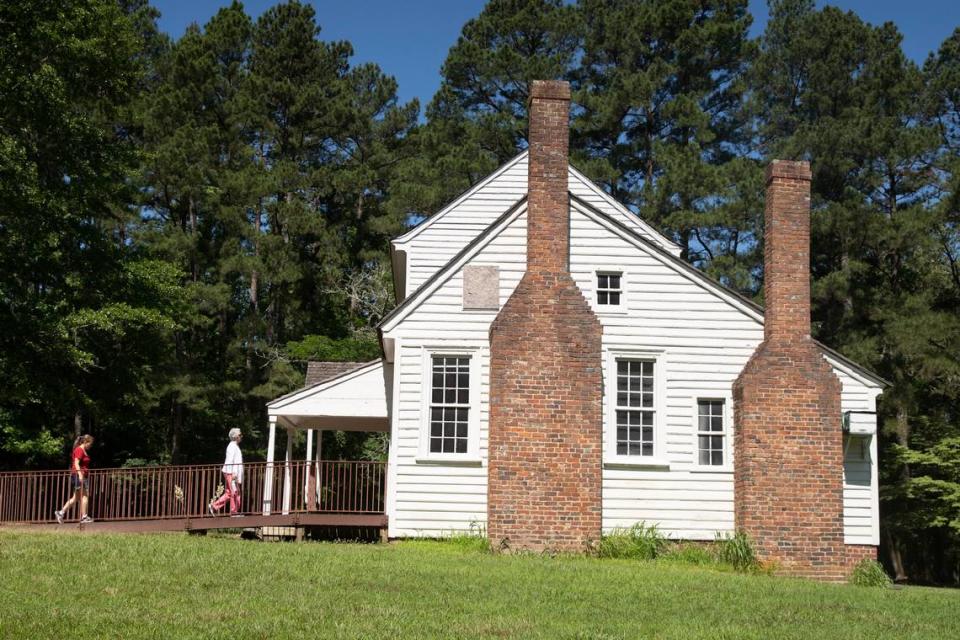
{"x": 355, "y": 400}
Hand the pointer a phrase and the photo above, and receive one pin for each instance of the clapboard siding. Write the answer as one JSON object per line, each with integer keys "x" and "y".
{"x": 455, "y": 227}
{"x": 432, "y": 499}
{"x": 704, "y": 341}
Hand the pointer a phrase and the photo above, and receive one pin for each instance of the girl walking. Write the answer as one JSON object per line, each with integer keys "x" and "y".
{"x": 79, "y": 480}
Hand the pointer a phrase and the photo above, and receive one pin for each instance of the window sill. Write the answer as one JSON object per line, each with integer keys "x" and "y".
{"x": 708, "y": 469}
{"x": 467, "y": 461}
{"x": 610, "y": 311}
{"x": 630, "y": 463}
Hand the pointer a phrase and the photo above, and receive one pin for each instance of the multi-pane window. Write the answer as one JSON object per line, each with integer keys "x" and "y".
{"x": 636, "y": 407}
{"x": 711, "y": 432}
{"x": 608, "y": 288}
{"x": 449, "y": 404}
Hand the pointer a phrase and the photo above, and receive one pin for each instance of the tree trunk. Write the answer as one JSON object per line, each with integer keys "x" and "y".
{"x": 77, "y": 424}
{"x": 194, "y": 268}
{"x": 176, "y": 431}
{"x": 896, "y": 558}
{"x": 896, "y": 555}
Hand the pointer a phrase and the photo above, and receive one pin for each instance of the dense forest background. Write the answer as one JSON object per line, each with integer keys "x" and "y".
{"x": 184, "y": 223}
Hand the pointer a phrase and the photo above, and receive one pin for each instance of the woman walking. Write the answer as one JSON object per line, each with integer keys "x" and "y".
{"x": 232, "y": 476}
{"x": 79, "y": 478}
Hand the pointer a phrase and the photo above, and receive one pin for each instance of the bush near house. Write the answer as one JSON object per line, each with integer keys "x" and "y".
{"x": 176, "y": 586}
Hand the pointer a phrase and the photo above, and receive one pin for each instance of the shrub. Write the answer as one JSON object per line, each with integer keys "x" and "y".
{"x": 640, "y": 541}
{"x": 737, "y": 551}
{"x": 869, "y": 573}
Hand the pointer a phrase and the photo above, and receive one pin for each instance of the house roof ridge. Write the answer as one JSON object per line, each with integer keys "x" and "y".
{"x": 616, "y": 203}
{"x": 716, "y": 283}
{"x": 462, "y": 196}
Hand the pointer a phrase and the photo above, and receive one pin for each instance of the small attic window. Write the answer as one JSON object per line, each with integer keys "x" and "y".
{"x": 609, "y": 288}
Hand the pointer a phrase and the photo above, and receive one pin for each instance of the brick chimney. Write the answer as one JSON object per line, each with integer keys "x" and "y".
{"x": 788, "y": 450}
{"x": 545, "y": 432}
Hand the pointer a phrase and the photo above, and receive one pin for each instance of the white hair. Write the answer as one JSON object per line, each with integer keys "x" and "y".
{"x": 234, "y": 433}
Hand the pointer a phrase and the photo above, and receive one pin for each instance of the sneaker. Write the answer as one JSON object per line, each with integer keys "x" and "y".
{"x": 236, "y": 515}
{"x": 86, "y": 520}
{"x": 59, "y": 515}
{"x": 210, "y": 509}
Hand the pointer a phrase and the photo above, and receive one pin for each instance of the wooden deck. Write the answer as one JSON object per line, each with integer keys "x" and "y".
{"x": 175, "y": 498}
{"x": 209, "y": 523}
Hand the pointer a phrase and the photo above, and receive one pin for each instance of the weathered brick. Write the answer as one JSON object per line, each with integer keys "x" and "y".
{"x": 545, "y": 369}
{"x": 788, "y": 451}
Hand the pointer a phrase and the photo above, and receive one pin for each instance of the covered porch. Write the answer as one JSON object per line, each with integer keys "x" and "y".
{"x": 336, "y": 397}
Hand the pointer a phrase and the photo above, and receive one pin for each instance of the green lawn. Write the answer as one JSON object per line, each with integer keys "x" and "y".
{"x": 177, "y": 586}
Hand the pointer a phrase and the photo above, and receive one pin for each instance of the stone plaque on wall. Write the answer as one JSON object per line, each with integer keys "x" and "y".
{"x": 481, "y": 287}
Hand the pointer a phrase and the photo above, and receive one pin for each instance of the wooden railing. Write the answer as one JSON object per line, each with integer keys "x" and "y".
{"x": 149, "y": 493}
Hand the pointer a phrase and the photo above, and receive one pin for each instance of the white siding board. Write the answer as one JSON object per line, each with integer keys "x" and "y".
{"x": 453, "y": 229}
{"x": 705, "y": 339}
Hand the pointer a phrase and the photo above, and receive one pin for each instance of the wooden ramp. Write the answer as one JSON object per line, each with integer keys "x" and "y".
{"x": 210, "y": 523}
{"x": 295, "y": 494}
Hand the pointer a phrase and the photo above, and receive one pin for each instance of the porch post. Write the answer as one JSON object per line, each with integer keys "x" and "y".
{"x": 309, "y": 480}
{"x": 319, "y": 468}
{"x": 268, "y": 473}
{"x": 287, "y": 476}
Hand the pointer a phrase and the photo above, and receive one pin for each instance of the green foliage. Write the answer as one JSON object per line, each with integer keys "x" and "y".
{"x": 37, "y": 449}
{"x": 869, "y": 573}
{"x": 737, "y": 551}
{"x": 312, "y": 347}
{"x": 640, "y": 542}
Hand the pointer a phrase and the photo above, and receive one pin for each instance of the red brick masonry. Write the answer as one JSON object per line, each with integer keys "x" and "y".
{"x": 788, "y": 449}
{"x": 545, "y": 368}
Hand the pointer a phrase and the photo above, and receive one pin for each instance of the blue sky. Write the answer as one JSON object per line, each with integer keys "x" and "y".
{"x": 409, "y": 39}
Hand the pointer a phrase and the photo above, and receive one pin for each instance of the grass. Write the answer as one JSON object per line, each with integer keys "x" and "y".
{"x": 178, "y": 586}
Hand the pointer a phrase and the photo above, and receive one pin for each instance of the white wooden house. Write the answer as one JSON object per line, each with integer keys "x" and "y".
{"x": 687, "y": 337}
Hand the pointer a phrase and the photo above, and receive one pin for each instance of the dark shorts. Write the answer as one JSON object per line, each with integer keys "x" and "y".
{"x": 75, "y": 483}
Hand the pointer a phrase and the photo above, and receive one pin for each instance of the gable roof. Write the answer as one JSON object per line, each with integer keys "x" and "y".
{"x": 323, "y": 373}
{"x": 716, "y": 287}
{"x": 574, "y": 172}
{"x": 417, "y": 230}
{"x": 693, "y": 274}
{"x": 423, "y": 291}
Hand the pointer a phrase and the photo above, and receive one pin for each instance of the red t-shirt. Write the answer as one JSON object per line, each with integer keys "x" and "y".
{"x": 80, "y": 454}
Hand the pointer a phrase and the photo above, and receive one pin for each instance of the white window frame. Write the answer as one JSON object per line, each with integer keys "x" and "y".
{"x": 727, "y": 433}
{"x": 621, "y": 307}
{"x": 660, "y": 368}
{"x": 472, "y": 455}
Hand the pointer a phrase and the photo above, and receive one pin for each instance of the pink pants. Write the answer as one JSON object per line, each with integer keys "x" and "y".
{"x": 228, "y": 495}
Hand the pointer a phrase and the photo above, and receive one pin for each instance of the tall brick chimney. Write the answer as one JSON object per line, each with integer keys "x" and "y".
{"x": 545, "y": 433}
{"x": 788, "y": 450}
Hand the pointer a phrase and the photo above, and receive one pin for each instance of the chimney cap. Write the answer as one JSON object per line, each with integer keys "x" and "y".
{"x": 550, "y": 89}
{"x": 790, "y": 169}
